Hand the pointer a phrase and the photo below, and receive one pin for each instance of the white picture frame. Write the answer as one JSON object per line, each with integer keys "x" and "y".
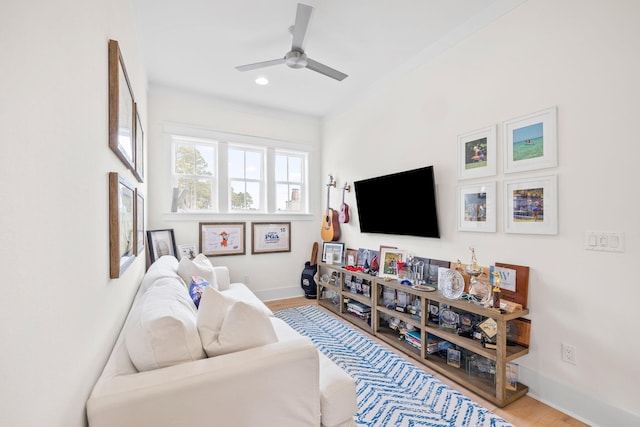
{"x": 477, "y": 153}
{"x": 530, "y": 142}
{"x": 389, "y": 257}
{"x": 332, "y": 252}
{"x": 531, "y": 205}
{"x": 189, "y": 250}
{"x": 477, "y": 207}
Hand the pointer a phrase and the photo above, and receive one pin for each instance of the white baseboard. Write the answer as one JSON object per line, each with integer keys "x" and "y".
{"x": 280, "y": 293}
{"x": 576, "y": 403}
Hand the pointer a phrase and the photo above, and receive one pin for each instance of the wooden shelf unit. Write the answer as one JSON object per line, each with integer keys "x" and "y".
{"x": 492, "y": 389}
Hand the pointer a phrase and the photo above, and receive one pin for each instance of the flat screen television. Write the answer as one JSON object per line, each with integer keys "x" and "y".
{"x": 402, "y": 203}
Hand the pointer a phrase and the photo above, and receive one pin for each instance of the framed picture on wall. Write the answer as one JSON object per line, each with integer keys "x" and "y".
{"x": 121, "y": 108}
{"x": 139, "y": 240}
{"x": 222, "y": 238}
{"x": 138, "y": 170}
{"x": 530, "y": 142}
{"x": 270, "y": 237}
{"x": 477, "y": 153}
{"x": 531, "y": 205}
{"x": 161, "y": 243}
{"x": 477, "y": 207}
{"x": 121, "y": 225}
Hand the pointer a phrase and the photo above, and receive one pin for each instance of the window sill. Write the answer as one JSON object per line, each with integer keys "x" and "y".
{"x": 240, "y": 216}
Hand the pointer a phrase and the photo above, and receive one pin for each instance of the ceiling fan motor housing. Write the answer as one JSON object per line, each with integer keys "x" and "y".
{"x": 296, "y": 59}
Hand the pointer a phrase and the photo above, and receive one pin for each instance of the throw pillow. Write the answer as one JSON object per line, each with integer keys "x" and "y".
{"x": 165, "y": 266}
{"x": 162, "y": 328}
{"x": 199, "y": 266}
{"x": 196, "y": 288}
{"x": 227, "y": 325}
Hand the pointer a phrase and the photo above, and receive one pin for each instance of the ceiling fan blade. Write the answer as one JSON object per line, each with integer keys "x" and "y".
{"x": 326, "y": 70}
{"x": 303, "y": 16}
{"x": 260, "y": 64}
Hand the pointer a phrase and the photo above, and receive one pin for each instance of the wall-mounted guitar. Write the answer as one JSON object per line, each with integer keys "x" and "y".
{"x": 344, "y": 208}
{"x": 330, "y": 226}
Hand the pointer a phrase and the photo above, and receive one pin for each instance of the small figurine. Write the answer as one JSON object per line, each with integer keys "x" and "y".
{"x": 496, "y": 289}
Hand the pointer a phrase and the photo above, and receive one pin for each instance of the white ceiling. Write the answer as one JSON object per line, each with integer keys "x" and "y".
{"x": 195, "y": 45}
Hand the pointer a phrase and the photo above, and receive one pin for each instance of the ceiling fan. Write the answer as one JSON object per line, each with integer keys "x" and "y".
{"x": 296, "y": 57}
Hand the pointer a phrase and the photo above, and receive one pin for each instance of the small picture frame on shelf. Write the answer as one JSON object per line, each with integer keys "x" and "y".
{"x": 351, "y": 258}
{"x": 453, "y": 357}
{"x": 189, "y": 250}
{"x": 332, "y": 252}
{"x": 389, "y": 259}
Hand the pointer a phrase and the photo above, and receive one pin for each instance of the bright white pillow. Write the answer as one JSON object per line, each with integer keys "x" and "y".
{"x": 162, "y": 328}
{"x": 200, "y": 266}
{"x": 165, "y": 266}
{"x": 227, "y": 325}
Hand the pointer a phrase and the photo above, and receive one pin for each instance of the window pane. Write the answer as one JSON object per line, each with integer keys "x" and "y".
{"x": 203, "y": 160}
{"x": 281, "y": 168}
{"x": 253, "y": 165}
{"x": 288, "y": 197}
{"x": 245, "y": 195}
{"x": 184, "y": 159}
{"x": 295, "y": 169}
{"x": 236, "y": 163}
{"x": 203, "y": 192}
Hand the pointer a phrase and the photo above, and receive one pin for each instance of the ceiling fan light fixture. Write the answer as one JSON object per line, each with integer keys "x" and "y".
{"x": 262, "y": 81}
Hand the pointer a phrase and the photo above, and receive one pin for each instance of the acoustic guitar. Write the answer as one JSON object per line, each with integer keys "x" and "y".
{"x": 344, "y": 208}
{"x": 330, "y": 230}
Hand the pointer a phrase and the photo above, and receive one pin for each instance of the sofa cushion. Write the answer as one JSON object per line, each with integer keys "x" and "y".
{"x": 199, "y": 266}
{"x": 240, "y": 292}
{"x": 162, "y": 330}
{"x": 227, "y": 325}
{"x": 165, "y": 266}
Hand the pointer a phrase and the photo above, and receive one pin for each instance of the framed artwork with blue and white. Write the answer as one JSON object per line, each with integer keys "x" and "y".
{"x": 530, "y": 142}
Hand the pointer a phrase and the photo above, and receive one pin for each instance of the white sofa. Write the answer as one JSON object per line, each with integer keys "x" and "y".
{"x": 282, "y": 383}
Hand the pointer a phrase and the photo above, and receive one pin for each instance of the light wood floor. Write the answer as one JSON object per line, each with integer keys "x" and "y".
{"x": 524, "y": 412}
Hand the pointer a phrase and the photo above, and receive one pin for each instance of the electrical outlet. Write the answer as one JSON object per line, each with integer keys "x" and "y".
{"x": 568, "y": 353}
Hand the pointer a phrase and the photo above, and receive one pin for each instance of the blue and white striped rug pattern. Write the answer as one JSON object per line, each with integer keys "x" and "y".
{"x": 390, "y": 390}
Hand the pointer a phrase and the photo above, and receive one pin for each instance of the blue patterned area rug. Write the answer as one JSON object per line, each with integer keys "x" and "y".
{"x": 390, "y": 390}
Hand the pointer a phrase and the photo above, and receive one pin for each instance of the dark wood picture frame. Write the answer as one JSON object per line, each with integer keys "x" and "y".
{"x": 139, "y": 224}
{"x": 138, "y": 170}
{"x": 121, "y": 225}
{"x": 270, "y": 237}
{"x": 161, "y": 242}
{"x": 122, "y": 115}
{"x": 521, "y": 294}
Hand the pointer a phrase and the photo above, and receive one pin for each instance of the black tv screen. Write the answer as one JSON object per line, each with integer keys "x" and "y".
{"x": 401, "y": 203}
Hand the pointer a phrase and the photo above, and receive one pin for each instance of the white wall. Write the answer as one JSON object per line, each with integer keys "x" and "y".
{"x": 59, "y": 312}
{"x": 270, "y": 276}
{"x": 583, "y": 57}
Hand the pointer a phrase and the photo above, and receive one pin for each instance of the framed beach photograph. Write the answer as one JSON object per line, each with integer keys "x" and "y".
{"x": 121, "y": 225}
{"x": 121, "y": 108}
{"x": 531, "y": 205}
{"x": 222, "y": 238}
{"x": 389, "y": 259}
{"x": 530, "y": 142}
{"x": 270, "y": 237}
{"x": 332, "y": 252}
{"x": 139, "y": 214}
{"x": 477, "y": 207}
{"x": 161, "y": 243}
{"x": 477, "y": 153}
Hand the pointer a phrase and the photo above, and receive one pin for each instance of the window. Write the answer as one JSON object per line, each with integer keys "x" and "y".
{"x": 223, "y": 173}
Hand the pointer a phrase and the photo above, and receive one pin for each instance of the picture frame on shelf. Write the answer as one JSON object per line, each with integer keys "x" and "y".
{"x": 122, "y": 116}
{"x": 389, "y": 259}
{"x": 139, "y": 215}
{"x": 122, "y": 221}
{"x": 189, "y": 250}
{"x": 138, "y": 170}
{"x": 477, "y": 207}
{"x": 530, "y": 141}
{"x": 332, "y": 252}
{"x": 222, "y": 238}
{"x": 270, "y": 237}
{"x": 531, "y": 205}
{"x": 477, "y": 153}
{"x": 161, "y": 243}
{"x": 351, "y": 257}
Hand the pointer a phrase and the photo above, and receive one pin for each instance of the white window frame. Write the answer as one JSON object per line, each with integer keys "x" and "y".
{"x": 223, "y": 141}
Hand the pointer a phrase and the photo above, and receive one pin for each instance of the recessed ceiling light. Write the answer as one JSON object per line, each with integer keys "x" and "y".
{"x": 262, "y": 81}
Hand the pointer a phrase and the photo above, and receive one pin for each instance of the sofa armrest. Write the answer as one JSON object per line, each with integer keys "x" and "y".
{"x": 223, "y": 279}
{"x": 276, "y": 384}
